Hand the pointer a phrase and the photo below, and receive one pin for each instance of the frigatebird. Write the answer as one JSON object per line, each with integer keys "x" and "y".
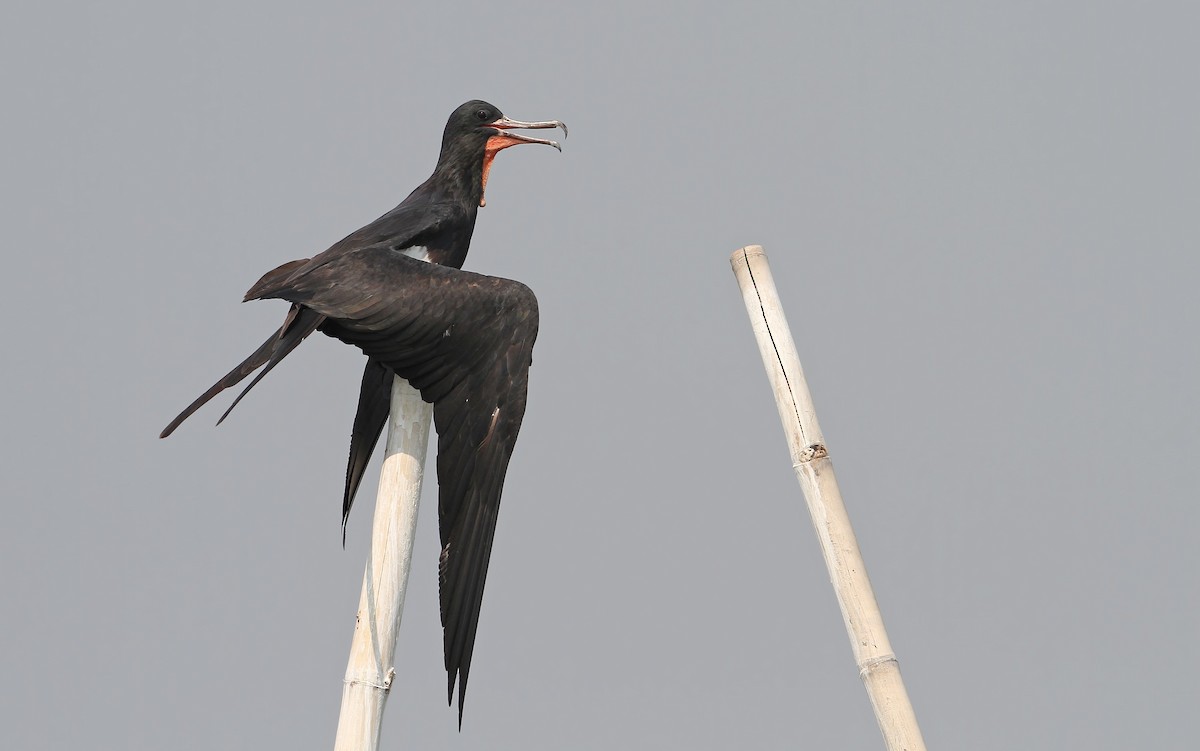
{"x": 395, "y": 289}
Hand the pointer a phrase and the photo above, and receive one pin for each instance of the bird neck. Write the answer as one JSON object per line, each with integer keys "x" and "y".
{"x": 459, "y": 174}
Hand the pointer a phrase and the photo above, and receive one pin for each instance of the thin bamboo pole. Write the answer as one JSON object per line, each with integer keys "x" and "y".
{"x": 371, "y": 668}
{"x": 877, "y": 665}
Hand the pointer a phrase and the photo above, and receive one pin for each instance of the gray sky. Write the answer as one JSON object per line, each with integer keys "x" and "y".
{"x": 983, "y": 222}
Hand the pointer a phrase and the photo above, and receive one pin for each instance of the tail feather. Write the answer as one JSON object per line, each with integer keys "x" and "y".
{"x": 297, "y": 326}
{"x": 374, "y": 404}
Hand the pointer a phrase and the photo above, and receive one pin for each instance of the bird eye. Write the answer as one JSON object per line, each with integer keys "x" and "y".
{"x": 483, "y": 115}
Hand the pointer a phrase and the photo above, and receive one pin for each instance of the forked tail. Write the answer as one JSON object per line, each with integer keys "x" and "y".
{"x": 300, "y": 323}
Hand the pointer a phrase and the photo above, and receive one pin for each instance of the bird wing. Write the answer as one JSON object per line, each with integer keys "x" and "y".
{"x": 402, "y": 227}
{"x": 465, "y": 341}
{"x": 417, "y": 218}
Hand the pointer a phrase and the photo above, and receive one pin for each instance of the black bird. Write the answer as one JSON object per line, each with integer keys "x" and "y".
{"x": 464, "y": 340}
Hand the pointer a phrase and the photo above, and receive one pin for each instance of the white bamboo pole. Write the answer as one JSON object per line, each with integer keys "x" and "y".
{"x": 371, "y": 668}
{"x": 877, "y": 665}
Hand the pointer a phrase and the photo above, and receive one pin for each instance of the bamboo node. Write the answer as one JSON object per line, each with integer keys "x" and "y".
{"x": 385, "y": 686}
{"x": 811, "y": 453}
{"x": 869, "y": 665}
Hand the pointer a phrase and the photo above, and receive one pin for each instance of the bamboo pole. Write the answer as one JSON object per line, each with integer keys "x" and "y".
{"x": 877, "y": 664}
{"x": 371, "y": 668}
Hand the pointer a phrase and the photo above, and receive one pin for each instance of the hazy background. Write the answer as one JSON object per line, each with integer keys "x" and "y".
{"x": 983, "y": 220}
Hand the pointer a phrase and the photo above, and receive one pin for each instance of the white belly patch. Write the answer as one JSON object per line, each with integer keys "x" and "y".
{"x": 418, "y": 252}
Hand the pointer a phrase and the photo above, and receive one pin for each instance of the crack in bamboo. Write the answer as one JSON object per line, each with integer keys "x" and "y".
{"x": 774, "y": 345}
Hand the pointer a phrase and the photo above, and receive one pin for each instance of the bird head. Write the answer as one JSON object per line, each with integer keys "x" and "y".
{"x": 477, "y": 131}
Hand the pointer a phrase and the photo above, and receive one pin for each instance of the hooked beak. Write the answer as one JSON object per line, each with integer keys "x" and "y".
{"x": 505, "y": 124}
{"x": 505, "y": 137}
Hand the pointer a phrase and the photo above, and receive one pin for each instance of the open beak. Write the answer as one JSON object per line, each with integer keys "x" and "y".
{"x": 505, "y": 137}
{"x": 504, "y": 124}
